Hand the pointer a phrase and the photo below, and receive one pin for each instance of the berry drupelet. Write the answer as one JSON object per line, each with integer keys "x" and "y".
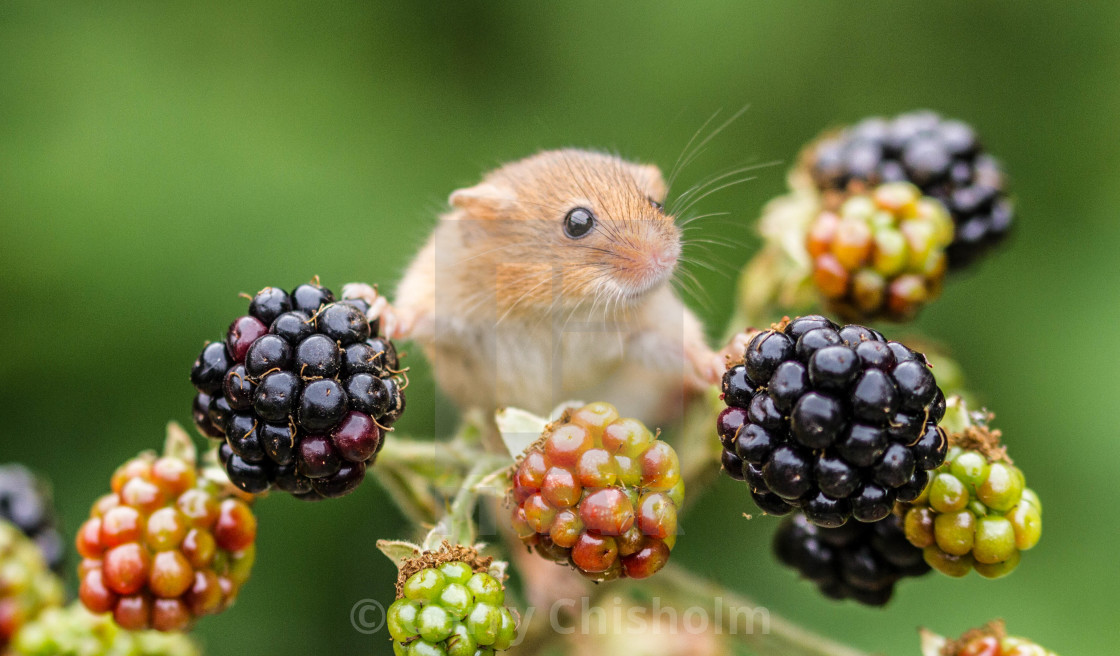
{"x": 854, "y": 561}
{"x": 27, "y": 586}
{"x": 881, "y": 255}
{"x": 942, "y": 157}
{"x": 74, "y": 631}
{"x": 302, "y": 391}
{"x": 834, "y": 420}
{"x": 976, "y": 512}
{"x": 599, "y": 492}
{"x": 25, "y": 501}
{"x": 165, "y": 547}
{"x": 450, "y": 605}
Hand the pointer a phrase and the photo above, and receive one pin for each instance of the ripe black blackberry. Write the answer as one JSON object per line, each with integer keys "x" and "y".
{"x": 943, "y": 157}
{"x": 834, "y": 420}
{"x": 25, "y": 501}
{"x": 855, "y": 561}
{"x": 301, "y": 390}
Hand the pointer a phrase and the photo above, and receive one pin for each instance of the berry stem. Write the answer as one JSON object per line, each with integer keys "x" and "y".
{"x": 458, "y": 526}
{"x": 784, "y": 638}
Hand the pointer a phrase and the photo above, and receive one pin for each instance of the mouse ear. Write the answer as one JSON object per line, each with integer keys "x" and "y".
{"x": 483, "y": 198}
{"x": 650, "y": 180}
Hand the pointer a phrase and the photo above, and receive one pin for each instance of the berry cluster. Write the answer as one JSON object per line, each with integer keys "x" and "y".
{"x": 834, "y": 420}
{"x": 599, "y": 492}
{"x": 451, "y": 609}
{"x": 976, "y": 512}
{"x": 25, "y": 501}
{"x": 74, "y": 631}
{"x": 165, "y": 547}
{"x": 942, "y": 157}
{"x": 882, "y": 254}
{"x": 302, "y": 390}
{"x": 27, "y": 586}
{"x": 854, "y": 561}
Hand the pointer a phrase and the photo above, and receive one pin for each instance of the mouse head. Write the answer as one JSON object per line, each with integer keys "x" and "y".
{"x": 570, "y": 226}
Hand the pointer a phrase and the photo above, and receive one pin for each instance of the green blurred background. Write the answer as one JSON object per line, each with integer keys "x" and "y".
{"x": 156, "y": 159}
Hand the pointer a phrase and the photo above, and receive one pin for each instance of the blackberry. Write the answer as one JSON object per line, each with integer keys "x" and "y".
{"x": 286, "y": 380}
{"x": 854, "y": 561}
{"x": 976, "y": 511}
{"x": 27, "y": 586}
{"x": 26, "y": 502}
{"x": 881, "y": 254}
{"x": 600, "y": 493}
{"x": 74, "y": 631}
{"x": 834, "y": 420}
{"x": 942, "y": 157}
{"x": 449, "y": 602}
{"x": 165, "y": 547}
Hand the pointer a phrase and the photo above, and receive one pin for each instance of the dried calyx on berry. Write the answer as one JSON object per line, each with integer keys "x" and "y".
{"x": 302, "y": 392}
{"x": 27, "y": 586}
{"x": 854, "y": 561}
{"x": 988, "y": 640}
{"x": 168, "y": 545}
{"x": 599, "y": 492}
{"x": 836, "y": 421}
{"x": 942, "y": 157}
{"x": 450, "y": 602}
{"x": 74, "y": 631}
{"x": 976, "y": 512}
{"x": 26, "y": 502}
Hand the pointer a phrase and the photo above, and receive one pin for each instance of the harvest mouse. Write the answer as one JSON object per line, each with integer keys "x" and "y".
{"x": 549, "y": 280}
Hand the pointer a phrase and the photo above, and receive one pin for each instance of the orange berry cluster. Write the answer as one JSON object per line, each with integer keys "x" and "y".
{"x": 881, "y": 254}
{"x": 601, "y": 493}
{"x": 165, "y": 548}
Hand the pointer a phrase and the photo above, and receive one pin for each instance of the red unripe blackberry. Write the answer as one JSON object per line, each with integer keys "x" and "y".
{"x": 166, "y": 547}
{"x": 836, "y": 421}
{"x": 942, "y": 157}
{"x": 26, "y": 502}
{"x": 989, "y": 640}
{"x": 855, "y": 561}
{"x": 302, "y": 390}
{"x": 600, "y": 493}
{"x": 881, "y": 254}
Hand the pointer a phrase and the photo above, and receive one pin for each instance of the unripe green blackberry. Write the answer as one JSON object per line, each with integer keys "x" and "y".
{"x": 989, "y": 640}
{"x": 449, "y": 603}
{"x": 25, "y": 501}
{"x": 599, "y": 492}
{"x": 976, "y": 512}
{"x": 166, "y": 547}
{"x": 27, "y": 586}
{"x": 881, "y": 255}
{"x": 74, "y": 631}
{"x": 942, "y": 157}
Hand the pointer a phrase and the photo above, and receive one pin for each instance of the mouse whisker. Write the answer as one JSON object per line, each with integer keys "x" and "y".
{"x": 699, "y": 148}
{"x": 693, "y": 201}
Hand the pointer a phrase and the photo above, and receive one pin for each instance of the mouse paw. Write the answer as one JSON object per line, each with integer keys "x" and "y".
{"x": 707, "y": 367}
{"x": 735, "y": 350}
{"x": 394, "y": 324}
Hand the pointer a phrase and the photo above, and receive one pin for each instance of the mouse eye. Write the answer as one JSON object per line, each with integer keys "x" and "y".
{"x": 578, "y": 222}
{"x": 656, "y": 205}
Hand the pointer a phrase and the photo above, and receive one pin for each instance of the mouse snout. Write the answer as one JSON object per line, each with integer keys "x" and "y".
{"x": 645, "y": 265}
